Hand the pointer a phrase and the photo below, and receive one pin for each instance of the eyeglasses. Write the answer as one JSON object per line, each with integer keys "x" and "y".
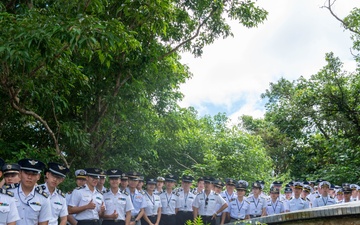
{"x": 206, "y": 201}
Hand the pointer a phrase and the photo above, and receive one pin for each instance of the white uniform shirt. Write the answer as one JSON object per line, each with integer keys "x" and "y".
{"x": 185, "y": 201}
{"x": 33, "y": 208}
{"x": 153, "y": 203}
{"x": 120, "y": 202}
{"x": 82, "y": 196}
{"x": 168, "y": 203}
{"x": 138, "y": 201}
{"x": 58, "y": 205}
{"x": 8, "y": 211}
{"x": 295, "y": 204}
{"x": 256, "y": 205}
{"x": 274, "y": 207}
{"x": 207, "y": 204}
{"x": 322, "y": 201}
{"x": 238, "y": 210}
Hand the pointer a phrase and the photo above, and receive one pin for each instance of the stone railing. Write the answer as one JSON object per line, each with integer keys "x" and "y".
{"x": 339, "y": 214}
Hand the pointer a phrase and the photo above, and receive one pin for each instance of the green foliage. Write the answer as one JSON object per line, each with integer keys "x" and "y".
{"x": 320, "y": 117}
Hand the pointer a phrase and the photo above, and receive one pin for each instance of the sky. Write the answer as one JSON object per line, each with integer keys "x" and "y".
{"x": 233, "y": 72}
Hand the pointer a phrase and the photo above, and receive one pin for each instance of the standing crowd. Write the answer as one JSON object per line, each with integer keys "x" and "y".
{"x": 23, "y": 201}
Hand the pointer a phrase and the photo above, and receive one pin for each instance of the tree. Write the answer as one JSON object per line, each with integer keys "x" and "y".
{"x": 73, "y": 72}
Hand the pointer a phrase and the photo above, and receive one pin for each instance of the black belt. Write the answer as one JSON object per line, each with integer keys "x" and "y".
{"x": 167, "y": 214}
{"x": 186, "y": 212}
{"x": 87, "y": 221}
{"x": 113, "y": 220}
{"x": 152, "y": 215}
{"x": 255, "y": 216}
{"x": 236, "y": 219}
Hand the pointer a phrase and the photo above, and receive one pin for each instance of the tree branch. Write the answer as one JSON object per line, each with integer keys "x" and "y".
{"x": 14, "y": 103}
{"x": 191, "y": 38}
{"x": 330, "y": 4}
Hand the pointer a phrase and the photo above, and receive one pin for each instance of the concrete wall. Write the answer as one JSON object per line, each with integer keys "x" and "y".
{"x": 340, "y": 214}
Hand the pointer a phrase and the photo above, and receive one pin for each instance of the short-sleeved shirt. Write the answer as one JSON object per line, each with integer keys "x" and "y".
{"x": 168, "y": 203}
{"x": 153, "y": 203}
{"x": 256, "y": 205}
{"x": 185, "y": 201}
{"x": 82, "y": 196}
{"x": 295, "y": 204}
{"x": 138, "y": 201}
{"x": 8, "y": 211}
{"x": 120, "y": 202}
{"x": 33, "y": 208}
{"x": 207, "y": 204}
{"x": 239, "y": 209}
{"x": 276, "y": 207}
{"x": 58, "y": 204}
{"x": 322, "y": 201}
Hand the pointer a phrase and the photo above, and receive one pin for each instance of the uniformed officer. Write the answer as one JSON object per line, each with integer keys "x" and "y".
{"x": 296, "y": 202}
{"x": 86, "y": 201}
{"x": 199, "y": 186}
{"x": 152, "y": 213}
{"x": 340, "y": 195}
{"x": 239, "y": 208}
{"x": 55, "y": 176}
{"x": 140, "y": 183}
{"x": 80, "y": 176}
{"x": 324, "y": 198}
{"x": 205, "y": 202}
{"x": 160, "y": 181}
{"x": 218, "y": 188}
{"x": 124, "y": 183}
{"x": 100, "y": 186}
{"x": 185, "y": 201}
{"x": 274, "y": 204}
{"x": 305, "y": 193}
{"x": 354, "y": 194}
{"x": 229, "y": 195}
{"x": 257, "y": 203}
{"x": 278, "y": 184}
{"x": 347, "y": 193}
{"x": 11, "y": 174}
{"x": 8, "y": 211}
{"x": 117, "y": 203}
{"x": 137, "y": 198}
{"x": 169, "y": 201}
{"x": 288, "y": 193}
{"x": 32, "y": 202}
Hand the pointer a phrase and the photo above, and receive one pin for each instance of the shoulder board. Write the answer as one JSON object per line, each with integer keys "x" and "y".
{"x": 39, "y": 190}
{"x": 177, "y": 194}
{"x": 291, "y": 198}
{"x": 199, "y": 193}
{"x": 307, "y": 199}
{"x": 331, "y": 197}
{"x": 69, "y": 192}
{"x": 11, "y": 186}
{"x": 6, "y": 192}
{"x": 247, "y": 201}
{"x": 216, "y": 193}
{"x": 318, "y": 196}
{"x": 43, "y": 186}
{"x": 262, "y": 197}
{"x": 60, "y": 193}
{"x": 99, "y": 191}
{"x": 107, "y": 190}
{"x": 124, "y": 192}
{"x": 142, "y": 192}
{"x": 303, "y": 199}
{"x": 81, "y": 187}
{"x": 281, "y": 201}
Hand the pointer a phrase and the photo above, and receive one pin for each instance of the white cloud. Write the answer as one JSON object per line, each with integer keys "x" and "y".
{"x": 292, "y": 42}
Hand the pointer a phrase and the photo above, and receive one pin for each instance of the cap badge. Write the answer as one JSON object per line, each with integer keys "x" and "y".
{"x": 8, "y": 167}
{"x": 61, "y": 167}
{"x": 123, "y": 174}
{"x": 97, "y": 170}
{"x": 113, "y": 171}
{"x": 171, "y": 176}
{"x": 33, "y": 162}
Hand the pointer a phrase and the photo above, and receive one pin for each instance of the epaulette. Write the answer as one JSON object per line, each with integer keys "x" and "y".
{"x": 291, "y": 198}
{"x": 81, "y": 187}
{"x": 318, "y": 196}
{"x": 247, "y": 201}
{"x": 216, "y": 193}
{"x": 107, "y": 190}
{"x": 42, "y": 186}
{"x": 303, "y": 199}
{"x": 142, "y": 192}
{"x": 60, "y": 192}
{"x": 6, "y": 192}
{"x": 124, "y": 192}
{"x": 39, "y": 190}
{"x": 331, "y": 197}
{"x": 69, "y": 192}
{"x": 99, "y": 191}
{"x": 11, "y": 186}
{"x": 307, "y": 199}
